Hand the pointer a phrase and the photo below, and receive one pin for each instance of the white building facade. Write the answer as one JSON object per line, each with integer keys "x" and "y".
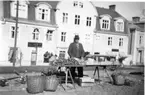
{"x": 137, "y": 42}
{"x": 51, "y": 26}
{"x": 36, "y": 26}
{"x": 75, "y": 18}
{"x": 111, "y": 35}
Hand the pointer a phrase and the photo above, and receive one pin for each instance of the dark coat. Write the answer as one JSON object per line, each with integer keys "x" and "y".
{"x": 72, "y": 51}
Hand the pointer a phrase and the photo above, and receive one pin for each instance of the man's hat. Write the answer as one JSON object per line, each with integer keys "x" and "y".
{"x": 76, "y": 37}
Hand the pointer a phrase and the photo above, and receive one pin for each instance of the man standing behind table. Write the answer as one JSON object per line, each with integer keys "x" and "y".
{"x": 76, "y": 50}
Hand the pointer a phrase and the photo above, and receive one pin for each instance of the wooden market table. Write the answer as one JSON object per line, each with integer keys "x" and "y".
{"x": 100, "y": 64}
{"x": 67, "y": 71}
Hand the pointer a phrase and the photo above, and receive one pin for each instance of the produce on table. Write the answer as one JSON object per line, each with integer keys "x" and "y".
{"x": 63, "y": 61}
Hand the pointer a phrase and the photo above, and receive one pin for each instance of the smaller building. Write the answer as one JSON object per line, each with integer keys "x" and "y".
{"x": 111, "y": 34}
{"x": 137, "y": 40}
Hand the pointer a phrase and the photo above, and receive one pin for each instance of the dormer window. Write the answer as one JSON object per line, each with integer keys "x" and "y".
{"x": 119, "y": 25}
{"x": 43, "y": 12}
{"x": 105, "y": 23}
{"x": 23, "y": 9}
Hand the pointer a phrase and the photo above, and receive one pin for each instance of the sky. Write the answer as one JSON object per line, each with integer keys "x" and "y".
{"x": 126, "y": 9}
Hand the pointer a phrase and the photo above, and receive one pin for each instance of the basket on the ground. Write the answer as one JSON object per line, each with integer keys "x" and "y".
{"x": 118, "y": 79}
{"x": 51, "y": 83}
{"x": 35, "y": 84}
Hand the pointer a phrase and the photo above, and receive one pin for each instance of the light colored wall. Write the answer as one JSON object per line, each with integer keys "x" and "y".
{"x": 101, "y": 43}
{"x": 137, "y": 45}
{"x": 25, "y": 36}
{"x": 87, "y": 11}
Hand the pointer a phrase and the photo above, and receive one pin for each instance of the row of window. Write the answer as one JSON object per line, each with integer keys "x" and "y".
{"x": 110, "y": 41}
{"x": 77, "y": 19}
{"x": 105, "y": 25}
{"x": 49, "y": 35}
{"x": 43, "y": 13}
{"x": 42, "y": 10}
{"x": 35, "y": 34}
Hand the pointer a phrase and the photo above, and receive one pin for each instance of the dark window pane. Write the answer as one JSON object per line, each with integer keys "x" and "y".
{"x": 78, "y": 21}
{"x": 42, "y": 15}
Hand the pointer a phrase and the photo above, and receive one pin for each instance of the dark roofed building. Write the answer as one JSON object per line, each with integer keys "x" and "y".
{"x": 114, "y": 15}
{"x": 111, "y": 32}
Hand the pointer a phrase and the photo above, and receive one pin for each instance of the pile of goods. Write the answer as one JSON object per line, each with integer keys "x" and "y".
{"x": 69, "y": 61}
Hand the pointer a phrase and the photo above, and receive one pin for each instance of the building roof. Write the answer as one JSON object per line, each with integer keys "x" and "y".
{"x": 114, "y": 15}
{"x": 102, "y": 11}
{"x": 137, "y": 27}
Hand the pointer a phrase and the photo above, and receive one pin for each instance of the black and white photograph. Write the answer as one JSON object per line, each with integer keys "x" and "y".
{"x": 72, "y": 47}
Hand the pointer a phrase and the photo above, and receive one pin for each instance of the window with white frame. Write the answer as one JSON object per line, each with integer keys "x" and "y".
{"x": 75, "y": 3}
{"x": 140, "y": 40}
{"x": 77, "y": 19}
{"x": 119, "y": 25}
{"x": 12, "y": 31}
{"x": 36, "y": 34}
{"x": 88, "y": 23}
{"x": 62, "y": 54}
{"x": 49, "y": 35}
{"x": 121, "y": 42}
{"x": 65, "y": 18}
{"x": 105, "y": 24}
{"x": 43, "y": 12}
{"x": 63, "y": 36}
{"x": 23, "y": 9}
{"x": 109, "y": 41}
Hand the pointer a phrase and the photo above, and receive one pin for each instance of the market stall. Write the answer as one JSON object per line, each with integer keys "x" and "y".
{"x": 102, "y": 61}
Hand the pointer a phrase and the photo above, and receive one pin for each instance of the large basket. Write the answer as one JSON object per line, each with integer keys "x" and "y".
{"x": 118, "y": 79}
{"x": 51, "y": 83}
{"x": 35, "y": 84}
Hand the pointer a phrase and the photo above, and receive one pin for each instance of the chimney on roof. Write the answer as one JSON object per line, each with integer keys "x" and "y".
{"x": 112, "y": 7}
{"x": 136, "y": 19}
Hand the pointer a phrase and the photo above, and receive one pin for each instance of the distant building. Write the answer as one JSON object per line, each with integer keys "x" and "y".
{"x": 36, "y": 24}
{"x": 111, "y": 35}
{"x": 51, "y": 26}
{"x": 137, "y": 41}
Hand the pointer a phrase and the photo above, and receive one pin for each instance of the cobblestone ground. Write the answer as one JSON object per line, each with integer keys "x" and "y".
{"x": 104, "y": 88}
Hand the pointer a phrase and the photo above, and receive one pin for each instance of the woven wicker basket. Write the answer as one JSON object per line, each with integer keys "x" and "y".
{"x": 51, "y": 83}
{"x": 35, "y": 84}
{"x": 118, "y": 79}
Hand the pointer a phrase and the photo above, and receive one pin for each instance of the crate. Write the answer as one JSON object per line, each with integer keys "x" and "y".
{"x": 86, "y": 81}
